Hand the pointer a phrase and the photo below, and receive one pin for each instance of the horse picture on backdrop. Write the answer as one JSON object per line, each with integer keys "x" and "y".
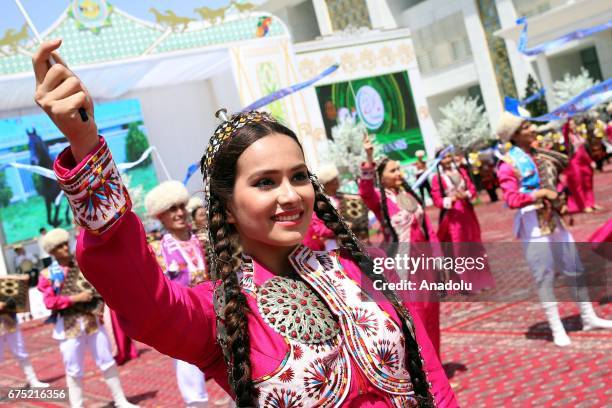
{"x": 48, "y": 188}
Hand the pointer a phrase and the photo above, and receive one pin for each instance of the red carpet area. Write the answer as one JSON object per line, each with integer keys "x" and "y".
{"x": 497, "y": 354}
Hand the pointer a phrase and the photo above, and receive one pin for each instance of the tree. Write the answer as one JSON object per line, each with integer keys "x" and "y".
{"x": 136, "y": 193}
{"x": 571, "y": 86}
{"x": 465, "y": 124}
{"x": 346, "y": 147}
{"x": 5, "y": 191}
{"x": 538, "y": 107}
{"x": 136, "y": 143}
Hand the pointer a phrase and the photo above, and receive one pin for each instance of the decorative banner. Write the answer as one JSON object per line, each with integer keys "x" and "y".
{"x": 593, "y": 96}
{"x": 190, "y": 171}
{"x": 91, "y": 14}
{"x": 370, "y": 107}
{"x": 281, "y": 93}
{"x": 48, "y": 173}
{"x": 574, "y": 35}
{"x": 533, "y": 97}
{"x": 430, "y": 169}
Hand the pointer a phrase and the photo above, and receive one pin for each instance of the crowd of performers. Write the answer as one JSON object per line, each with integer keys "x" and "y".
{"x": 245, "y": 289}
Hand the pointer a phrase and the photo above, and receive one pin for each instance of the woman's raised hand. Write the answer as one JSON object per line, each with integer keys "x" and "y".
{"x": 369, "y": 148}
{"x": 60, "y": 94}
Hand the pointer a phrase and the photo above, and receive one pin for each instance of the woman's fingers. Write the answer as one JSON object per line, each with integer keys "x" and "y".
{"x": 68, "y": 87}
{"x": 68, "y": 107}
{"x": 55, "y": 76}
{"x": 40, "y": 60}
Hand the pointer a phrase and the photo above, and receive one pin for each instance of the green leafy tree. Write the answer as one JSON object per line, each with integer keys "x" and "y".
{"x": 135, "y": 144}
{"x": 538, "y": 107}
{"x": 5, "y": 191}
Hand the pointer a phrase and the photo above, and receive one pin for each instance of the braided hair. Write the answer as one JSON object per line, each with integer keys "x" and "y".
{"x": 328, "y": 213}
{"x": 235, "y": 338}
{"x": 380, "y": 168}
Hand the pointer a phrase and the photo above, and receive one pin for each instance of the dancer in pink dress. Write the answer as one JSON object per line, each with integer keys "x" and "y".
{"x": 288, "y": 324}
{"x": 400, "y": 212}
{"x": 452, "y": 191}
{"x": 579, "y": 173}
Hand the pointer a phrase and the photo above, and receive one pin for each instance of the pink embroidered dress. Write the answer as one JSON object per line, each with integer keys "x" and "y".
{"x": 313, "y": 341}
{"x": 579, "y": 181}
{"x": 459, "y": 224}
{"x": 409, "y": 227}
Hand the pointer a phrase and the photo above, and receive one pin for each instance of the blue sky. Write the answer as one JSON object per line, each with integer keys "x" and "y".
{"x": 44, "y": 12}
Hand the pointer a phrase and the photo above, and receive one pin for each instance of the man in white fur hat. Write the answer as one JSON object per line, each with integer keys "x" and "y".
{"x": 77, "y": 316}
{"x": 547, "y": 243}
{"x": 183, "y": 260}
{"x": 421, "y": 166}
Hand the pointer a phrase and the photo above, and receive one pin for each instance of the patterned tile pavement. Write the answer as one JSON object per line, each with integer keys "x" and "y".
{"x": 497, "y": 354}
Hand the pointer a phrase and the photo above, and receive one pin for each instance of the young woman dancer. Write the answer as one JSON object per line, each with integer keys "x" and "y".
{"x": 287, "y": 324}
{"x": 401, "y": 213}
{"x": 452, "y": 191}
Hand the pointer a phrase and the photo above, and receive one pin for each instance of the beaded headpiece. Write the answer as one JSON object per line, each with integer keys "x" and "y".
{"x": 224, "y": 132}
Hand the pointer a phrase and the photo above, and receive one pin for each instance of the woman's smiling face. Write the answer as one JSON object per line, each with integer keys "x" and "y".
{"x": 273, "y": 198}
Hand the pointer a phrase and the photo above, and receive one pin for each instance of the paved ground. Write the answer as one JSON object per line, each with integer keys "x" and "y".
{"x": 498, "y": 354}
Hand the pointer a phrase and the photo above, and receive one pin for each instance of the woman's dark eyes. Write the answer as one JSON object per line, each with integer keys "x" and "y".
{"x": 268, "y": 182}
{"x": 301, "y": 176}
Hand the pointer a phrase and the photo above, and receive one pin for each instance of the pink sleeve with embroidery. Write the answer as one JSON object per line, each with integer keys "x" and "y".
{"x": 510, "y": 186}
{"x": 52, "y": 300}
{"x": 367, "y": 190}
{"x": 114, "y": 256}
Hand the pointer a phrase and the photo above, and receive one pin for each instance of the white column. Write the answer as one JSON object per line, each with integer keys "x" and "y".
{"x": 519, "y": 64}
{"x": 380, "y": 15}
{"x": 426, "y": 123}
{"x": 603, "y": 47}
{"x": 325, "y": 25}
{"x": 482, "y": 61}
{"x": 546, "y": 80}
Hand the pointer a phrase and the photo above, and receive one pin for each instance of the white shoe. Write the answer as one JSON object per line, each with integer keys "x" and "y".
{"x": 560, "y": 337}
{"x": 28, "y": 370}
{"x": 111, "y": 376}
{"x": 590, "y": 321}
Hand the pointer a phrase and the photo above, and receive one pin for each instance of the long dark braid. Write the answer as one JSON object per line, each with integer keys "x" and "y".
{"x": 326, "y": 212}
{"x": 236, "y": 309}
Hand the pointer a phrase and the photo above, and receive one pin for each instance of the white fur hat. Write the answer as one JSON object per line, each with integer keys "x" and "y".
{"x": 507, "y": 126}
{"x": 194, "y": 202}
{"x": 327, "y": 173}
{"x": 419, "y": 153}
{"x": 53, "y": 238}
{"x": 164, "y": 196}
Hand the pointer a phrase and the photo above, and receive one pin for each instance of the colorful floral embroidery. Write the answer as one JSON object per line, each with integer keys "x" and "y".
{"x": 386, "y": 355}
{"x": 318, "y": 376}
{"x": 283, "y": 398}
{"x": 287, "y": 376}
{"x": 390, "y": 326}
{"x": 95, "y": 192}
{"x": 365, "y": 321}
{"x": 292, "y": 309}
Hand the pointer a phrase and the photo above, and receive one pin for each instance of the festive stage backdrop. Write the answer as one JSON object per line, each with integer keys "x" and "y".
{"x": 27, "y": 200}
{"x": 384, "y": 104}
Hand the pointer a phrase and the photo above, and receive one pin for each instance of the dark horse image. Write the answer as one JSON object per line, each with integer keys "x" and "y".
{"x": 48, "y": 188}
